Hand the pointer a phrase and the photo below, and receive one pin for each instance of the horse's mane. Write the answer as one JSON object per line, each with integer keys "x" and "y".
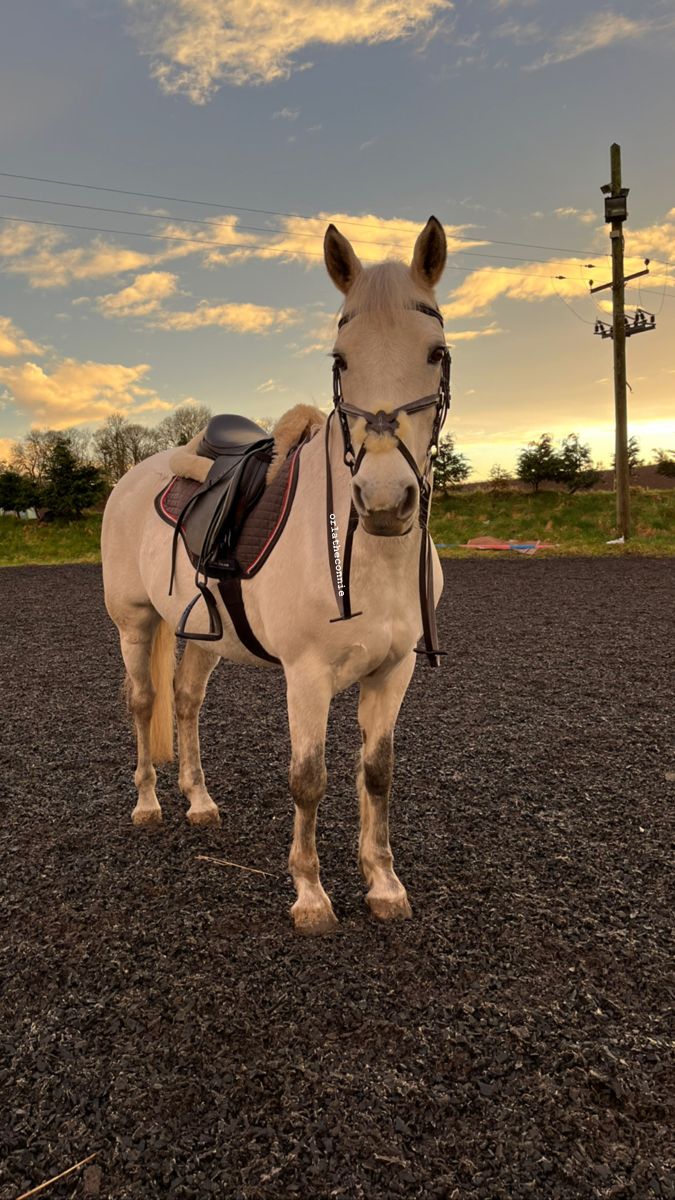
{"x": 385, "y": 290}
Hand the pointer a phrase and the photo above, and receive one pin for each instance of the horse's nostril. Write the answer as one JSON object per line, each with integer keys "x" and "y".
{"x": 358, "y": 499}
{"x": 407, "y": 505}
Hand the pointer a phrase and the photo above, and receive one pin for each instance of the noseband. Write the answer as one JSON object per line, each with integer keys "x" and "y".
{"x": 383, "y": 422}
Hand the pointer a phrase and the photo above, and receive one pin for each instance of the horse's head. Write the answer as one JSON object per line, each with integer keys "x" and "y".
{"x": 390, "y": 351}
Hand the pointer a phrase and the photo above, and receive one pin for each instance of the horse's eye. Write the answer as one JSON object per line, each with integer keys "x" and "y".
{"x": 340, "y": 362}
{"x": 436, "y": 355}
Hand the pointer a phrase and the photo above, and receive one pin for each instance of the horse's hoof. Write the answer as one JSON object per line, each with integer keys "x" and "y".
{"x": 314, "y": 922}
{"x": 147, "y": 818}
{"x": 204, "y": 816}
{"x": 387, "y": 908}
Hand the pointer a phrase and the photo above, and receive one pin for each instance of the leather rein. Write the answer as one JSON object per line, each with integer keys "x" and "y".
{"x": 383, "y": 422}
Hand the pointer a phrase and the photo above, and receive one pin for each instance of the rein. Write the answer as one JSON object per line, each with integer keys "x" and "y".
{"x": 383, "y": 422}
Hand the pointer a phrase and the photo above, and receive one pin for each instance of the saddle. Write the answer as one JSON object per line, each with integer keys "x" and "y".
{"x": 214, "y": 514}
{"x": 230, "y": 522}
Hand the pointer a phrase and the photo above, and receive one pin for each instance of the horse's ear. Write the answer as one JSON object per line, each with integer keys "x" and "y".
{"x": 431, "y": 251}
{"x": 341, "y": 262}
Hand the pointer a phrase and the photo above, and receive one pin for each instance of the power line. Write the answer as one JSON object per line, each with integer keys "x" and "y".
{"x": 162, "y": 237}
{"x": 126, "y": 212}
{"x": 269, "y": 212}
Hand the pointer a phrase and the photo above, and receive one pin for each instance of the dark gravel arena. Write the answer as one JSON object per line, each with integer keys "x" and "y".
{"x": 513, "y": 1040}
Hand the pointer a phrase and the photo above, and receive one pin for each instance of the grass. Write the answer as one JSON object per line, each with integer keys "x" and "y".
{"x": 580, "y": 524}
{"x": 28, "y": 542}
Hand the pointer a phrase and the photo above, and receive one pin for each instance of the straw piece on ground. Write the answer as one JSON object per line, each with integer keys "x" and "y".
{"x": 55, "y": 1178}
{"x": 223, "y": 862}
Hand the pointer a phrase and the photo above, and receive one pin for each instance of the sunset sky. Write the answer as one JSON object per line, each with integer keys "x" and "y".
{"x": 496, "y": 115}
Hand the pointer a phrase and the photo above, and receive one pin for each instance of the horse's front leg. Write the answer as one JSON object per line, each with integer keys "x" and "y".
{"x": 308, "y": 696}
{"x": 190, "y": 683}
{"x": 379, "y": 704}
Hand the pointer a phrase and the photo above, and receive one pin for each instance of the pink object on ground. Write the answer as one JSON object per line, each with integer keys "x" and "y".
{"x": 492, "y": 543}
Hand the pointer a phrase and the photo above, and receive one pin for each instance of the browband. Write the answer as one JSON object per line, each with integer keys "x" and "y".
{"x": 423, "y": 308}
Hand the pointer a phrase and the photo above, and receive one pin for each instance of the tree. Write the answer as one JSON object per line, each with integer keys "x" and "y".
{"x": 181, "y": 425}
{"x": 450, "y": 467}
{"x": 634, "y": 460}
{"x": 575, "y": 467}
{"x": 18, "y": 492}
{"x": 120, "y": 444}
{"x": 539, "y": 462}
{"x": 70, "y": 486}
{"x": 31, "y": 455}
{"x": 665, "y": 462}
{"x": 499, "y": 480}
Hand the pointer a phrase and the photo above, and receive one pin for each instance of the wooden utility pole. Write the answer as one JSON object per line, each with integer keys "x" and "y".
{"x": 619, "y": 330}
{"x": 616, "y": 212}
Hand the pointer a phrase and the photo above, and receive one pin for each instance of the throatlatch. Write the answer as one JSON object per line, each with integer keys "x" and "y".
{"x": 387, "y": 422}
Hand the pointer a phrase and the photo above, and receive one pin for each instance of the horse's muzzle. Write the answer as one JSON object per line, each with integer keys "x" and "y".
{"x": 383, "y": 523}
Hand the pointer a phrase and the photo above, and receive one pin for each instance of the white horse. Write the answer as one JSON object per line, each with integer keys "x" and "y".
{"x": 389, "y": 352}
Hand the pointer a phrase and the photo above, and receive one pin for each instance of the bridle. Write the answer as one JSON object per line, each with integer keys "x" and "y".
{"x": 383, "y": 422}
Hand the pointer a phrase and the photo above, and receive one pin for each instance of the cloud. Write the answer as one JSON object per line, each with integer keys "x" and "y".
{"x": 373, "y": 238}
{"x": 286, "y": 114}
{"x": 598, "y": 31}
{"x": 143, "y": 296}
{"x": 270, "y": 385}
{"x": 6, "y": 447}
{"x": 537, "y": 281}
{"x": 44, "y": 258}
{"x": 588, "y": 216}
{"x": 470, "y": 335}
{"x": 14, "y": 343}
{"x": 75, "y": 391}
{"x": 195, "y": 46}
{"x": 238, "y": 318}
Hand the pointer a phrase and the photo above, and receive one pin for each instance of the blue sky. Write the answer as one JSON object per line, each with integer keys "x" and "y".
{"x": 496, "y": 115}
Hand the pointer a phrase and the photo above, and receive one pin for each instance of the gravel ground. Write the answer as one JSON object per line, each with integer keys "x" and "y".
{"x": 511, "y": 1041}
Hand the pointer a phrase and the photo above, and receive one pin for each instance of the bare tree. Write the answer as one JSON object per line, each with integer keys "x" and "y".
{"x": 31, "y": 454}
{"x": 120, "y": 444}
{"x": 181, "y": 425}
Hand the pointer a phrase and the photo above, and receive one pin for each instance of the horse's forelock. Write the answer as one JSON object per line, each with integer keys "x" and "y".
{"x": 385, "y": 291}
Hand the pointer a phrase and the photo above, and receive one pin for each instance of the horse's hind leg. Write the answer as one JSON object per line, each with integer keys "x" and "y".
{"x": 379, "y": 705}
{"x": 137, "y": 643}
{"x": 192, "y": 676}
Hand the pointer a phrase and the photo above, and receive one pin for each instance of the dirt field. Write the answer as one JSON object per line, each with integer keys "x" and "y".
{"x": 511, "y": 1041}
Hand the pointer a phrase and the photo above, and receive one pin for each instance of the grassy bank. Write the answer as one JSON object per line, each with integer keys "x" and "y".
{"x": 24, "y": 542}
{"x": 580, "y": 524}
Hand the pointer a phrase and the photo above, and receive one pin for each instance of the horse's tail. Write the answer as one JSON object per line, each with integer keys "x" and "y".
{"x": 162, "y": 664}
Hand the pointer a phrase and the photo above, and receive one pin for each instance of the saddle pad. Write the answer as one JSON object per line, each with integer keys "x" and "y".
{"x": 263, "y": 525}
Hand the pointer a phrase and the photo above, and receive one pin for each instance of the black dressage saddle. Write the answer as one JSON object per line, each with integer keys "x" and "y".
{"x": 214, "y": 515}
{"x": 231, "y": 523}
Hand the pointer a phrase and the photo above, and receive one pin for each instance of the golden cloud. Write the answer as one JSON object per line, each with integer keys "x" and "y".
{"x": 6, "y": 447}
{"x": 76, "y": 391}
{"x": 238, "y": 318}
{"x": 42, "y": 256}
{"x": 143, "y": 296}
{"x": 373, "y": 238}
{"x": 196, "y": 45}
{"x": 598, "y": 31}
{"x": 14, "y": 343}
{"x": 536, "y": 281}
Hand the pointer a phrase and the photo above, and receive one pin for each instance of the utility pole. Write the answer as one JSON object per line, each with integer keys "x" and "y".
{"x": 616, "y": 211}
{"x": 619, "y": 212}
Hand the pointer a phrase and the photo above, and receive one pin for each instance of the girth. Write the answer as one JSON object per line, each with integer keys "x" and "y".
{"x": 383, "y": 422}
